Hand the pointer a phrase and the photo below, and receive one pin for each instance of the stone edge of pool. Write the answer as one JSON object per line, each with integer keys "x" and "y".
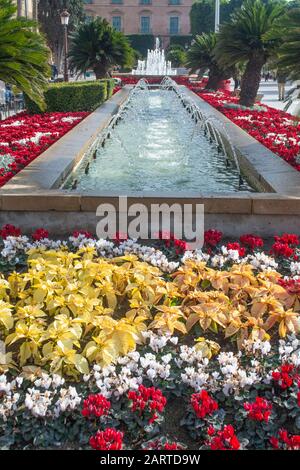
{"x": 32, "y": 197}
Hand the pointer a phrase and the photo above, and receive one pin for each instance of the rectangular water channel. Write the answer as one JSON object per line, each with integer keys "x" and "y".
{"x": 155, "y": 146}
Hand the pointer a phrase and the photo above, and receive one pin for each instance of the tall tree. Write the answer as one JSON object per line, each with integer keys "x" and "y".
{"x": 245, "y": 38}
{"x": 289, "y": 52}
{"x": 23, "y": 53}
{"x": 97, "y": 45}
{"x": 49, "y": 19}
{"x": 203, "y": 14}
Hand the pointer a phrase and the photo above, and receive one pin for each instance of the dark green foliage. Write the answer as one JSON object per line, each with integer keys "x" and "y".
{"x": 141, "y": 42}
{"x": 23, "y": 53}
{"x": 246, "y": 38}
{"x": 184, "y": 41}
{"x": 49, "y": 20}
{"x": 203, "y": 14}
{"x": 96, "y": 45}
{"x": 110, "y": 86}
{"x": 177, "y": 55}
{"x": 200, "y": 56}
{"x": 72, "y": 97}
{"x": 289, "y": 53}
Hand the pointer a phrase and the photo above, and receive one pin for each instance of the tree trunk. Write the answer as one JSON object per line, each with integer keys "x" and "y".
{"x": 215, "y": 77}
{"x": 251, "y": 80}
{"x": 100, "y": 71}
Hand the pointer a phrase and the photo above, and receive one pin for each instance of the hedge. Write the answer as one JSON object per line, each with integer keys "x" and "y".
{"x": 142, "y": 42}
{"x": 73, "y": 96}
{"x": 110, "y": 87}
{"x": 181, "y": 40}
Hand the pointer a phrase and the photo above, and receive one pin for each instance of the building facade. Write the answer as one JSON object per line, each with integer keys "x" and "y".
{"x": 162, "y": 18}
{"x": 27, "y": 8}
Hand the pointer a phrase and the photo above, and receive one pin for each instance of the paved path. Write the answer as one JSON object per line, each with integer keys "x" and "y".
{"x": 270, "y": 92}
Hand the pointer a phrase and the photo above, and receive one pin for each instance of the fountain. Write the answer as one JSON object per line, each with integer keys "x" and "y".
{"x": 155, "y": 64}
{"x": 175, "y": 147}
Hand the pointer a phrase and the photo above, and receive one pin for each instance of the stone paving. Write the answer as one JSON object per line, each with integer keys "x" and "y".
{"x": 270, "y": 91}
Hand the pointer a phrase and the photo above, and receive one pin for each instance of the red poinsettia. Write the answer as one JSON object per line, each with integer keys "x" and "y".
{"x": 285, "y": 441}
{"x": 286, "y": 376}
{"x": 148, "y": 402}
{"x": 95, "y": 405}
{"x": 203, "y": 404}
{"x": 212, "y": 237}
{"x": 9, "y": 230}
{"x": 224, "y": 439}
{"x": 24, "y": 137}
{"x": 251, "y": 241}
{"x": 259, "y": 410}
{"x": 39, "y": 234}
{"x": 86, "y": 234}
{"x": 110, "y": 439}
{"x": 275, "y": 129}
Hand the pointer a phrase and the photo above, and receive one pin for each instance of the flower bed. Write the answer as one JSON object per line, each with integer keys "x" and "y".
{"x": 105, "y": 341}
{"x": 277, "y": 130}
{"x": 24, "y": 137}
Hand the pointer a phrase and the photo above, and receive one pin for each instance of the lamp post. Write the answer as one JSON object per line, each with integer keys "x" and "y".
{"x": 217, "y": 15}
{"x": 64, "y": 17}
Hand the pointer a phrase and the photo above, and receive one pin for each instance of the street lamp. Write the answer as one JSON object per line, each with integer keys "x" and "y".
{"x": 217, "y": 15}
{"x": 64, "y": 18}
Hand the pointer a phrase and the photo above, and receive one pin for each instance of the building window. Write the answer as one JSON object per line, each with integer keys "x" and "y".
{"x": 174, "y": 2}
{"x": 145, "y": 2}
{"x": 118, "y": 2}
{"x": 87, "y": 1}
{"x": 174, "y": 24}
{"x": 145, "y": 24}
{"x": 117, "y": 23}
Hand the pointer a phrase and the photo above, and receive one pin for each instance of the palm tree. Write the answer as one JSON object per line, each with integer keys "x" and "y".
{"x": 96, "y": 45}
{"x": 201, "y": 56}
{"x": 289, "y": 52}
{"x": 246, "y": 38}
{"x": 177, "y": 55}
{"x": 23, "y": 53}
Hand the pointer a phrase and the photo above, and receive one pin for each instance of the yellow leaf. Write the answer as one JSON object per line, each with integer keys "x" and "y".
{"x": 81, "y": 364}
{"x": 282, "y": 329}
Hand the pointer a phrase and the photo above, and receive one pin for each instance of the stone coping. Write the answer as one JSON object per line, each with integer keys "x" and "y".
{"x": 35, "y": 188}
{"x": 247, "y": 203}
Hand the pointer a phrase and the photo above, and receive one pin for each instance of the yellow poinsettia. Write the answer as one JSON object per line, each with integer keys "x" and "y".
{"x": 206, "y": 347}
{"x": 6, "y": 315}
{"x": 114, "y": 338}
{"x": 168, "y": 319}
{"x": 208, "y": 315}
{"x": 4, "y": 288}
{"x": 261, "y": 305}
{"x": 288, "y": 321}
{"x": 63, "y": 358}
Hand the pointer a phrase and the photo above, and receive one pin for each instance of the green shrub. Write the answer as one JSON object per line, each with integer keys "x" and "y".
{"x": 110, "y": 87}
{"x": 73, "y": 96}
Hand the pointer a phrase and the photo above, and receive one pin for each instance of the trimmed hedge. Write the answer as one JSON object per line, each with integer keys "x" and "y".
{"x": 110, "y": 87}
{"x": 141, "y": 42}
{"x": 73, "y": 96}
{"x": 181, "y": 40}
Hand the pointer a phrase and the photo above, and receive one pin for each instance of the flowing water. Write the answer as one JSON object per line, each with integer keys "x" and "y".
{"x": 156, "y": 146}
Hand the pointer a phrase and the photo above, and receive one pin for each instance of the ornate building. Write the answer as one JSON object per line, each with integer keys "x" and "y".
{"x": 162, "y": 18}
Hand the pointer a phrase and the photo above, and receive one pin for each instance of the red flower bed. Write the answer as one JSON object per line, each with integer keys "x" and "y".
{"x": 277, "y": 130}
{"x": 24, "y": 137}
